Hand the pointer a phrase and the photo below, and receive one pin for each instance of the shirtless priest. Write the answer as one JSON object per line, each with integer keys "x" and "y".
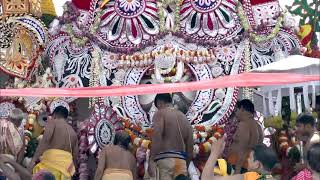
{"x": 58, "y": 148}
{"x": 116, "y": 161}
{"x": 248, "y": 134}
{"x": 172, "y": 140}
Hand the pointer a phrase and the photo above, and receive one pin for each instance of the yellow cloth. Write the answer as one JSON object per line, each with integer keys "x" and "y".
{"x": 58, "y": 162}
{"x": 117, "y": 174}
{"x": 251, "y": 176}
{"x": 47, "y": 7}
{"x": 222, "y": 169}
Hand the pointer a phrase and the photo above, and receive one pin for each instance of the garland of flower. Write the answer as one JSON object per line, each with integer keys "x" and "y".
{"x": 248, "y": 92}
{"x": 146, "y": 59}
{"x": 78, "y": 41}
{"x": 254, "y": 36}
{"x": 205, "y": 136}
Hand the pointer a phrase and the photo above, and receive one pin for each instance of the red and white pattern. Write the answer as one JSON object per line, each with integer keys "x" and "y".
{"x": 303, "y": 175}
{"x": 128, "y": 24}
{"x": 209, "y": 20}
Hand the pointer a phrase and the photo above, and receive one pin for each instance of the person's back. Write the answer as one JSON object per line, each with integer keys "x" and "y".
{"x": 172, "y": 140}
{"x": 116, "y": 161}
{"x": 58, "y": 148}
{"x": 60, "y": 136}
{"x": 119, "y": 158}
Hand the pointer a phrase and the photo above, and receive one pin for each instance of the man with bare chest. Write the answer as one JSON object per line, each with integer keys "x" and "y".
{"x": 308, "y": 135}
{"x": 58, "y": 149}
{"x": 115, "y": 162}
{"x": 248, "y": 134}
{"x": 172, "y": 140}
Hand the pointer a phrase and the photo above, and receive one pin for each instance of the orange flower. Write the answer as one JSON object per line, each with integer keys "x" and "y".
{"x": 217, "y": 135}
{"x": 201, "y": 149}
{"x": 221, "y": 131}
{"x": 200, "y": 128}
{"x": 214, "y": 128}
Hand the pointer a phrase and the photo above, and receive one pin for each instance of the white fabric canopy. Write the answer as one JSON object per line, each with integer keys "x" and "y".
{"x": 293, "y": 64}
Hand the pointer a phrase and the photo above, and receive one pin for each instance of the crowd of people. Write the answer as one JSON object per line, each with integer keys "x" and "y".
{"x": 170, "y": 155}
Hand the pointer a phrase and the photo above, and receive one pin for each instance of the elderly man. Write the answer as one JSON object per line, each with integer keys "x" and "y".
{"x": 116, "y": 161}
{"x": 11, "y": 135}
{"x": 58, "y": 148}
{"x": 172, "y": 140}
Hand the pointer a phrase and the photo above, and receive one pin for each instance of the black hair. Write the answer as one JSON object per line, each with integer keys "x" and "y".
{"x": 306, "y": 119}
{"x": 48, "y": 176}
{"x": 166, "y": 97}
{"x": 266, "y": 156}
{"x": 247, "y": 105}
{"x": 122, "y": 139}
{"x": 61, "y": 112}
{"x": 182, "y": 177}
{"x": 313, "y": 157}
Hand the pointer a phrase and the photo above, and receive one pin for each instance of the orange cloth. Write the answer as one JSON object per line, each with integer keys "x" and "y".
{"x": 233, "y": 158}
{"x": 251, "y": 176}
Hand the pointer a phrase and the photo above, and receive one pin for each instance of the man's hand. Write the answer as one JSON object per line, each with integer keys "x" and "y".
{"x": 218, "y": 146}
{"x": 5, "y": 159}
{"x": 31, "y": 166}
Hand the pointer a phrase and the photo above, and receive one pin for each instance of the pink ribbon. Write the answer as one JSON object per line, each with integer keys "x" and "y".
{"x": 239, "y": 80}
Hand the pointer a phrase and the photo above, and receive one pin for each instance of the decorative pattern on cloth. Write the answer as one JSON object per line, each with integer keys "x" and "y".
{"x": 7, "y": 34}
{"x": 265, "y": 52}
{"x": 15, "y": 6}
{"x": 209, "y": 106}
{"x": 71, "y": 65}
{"x": 261, "y": 12}
{"x": 6, "y": 108}
{"x": 305, "y": 174}
{"x": 102, "y": 125}
{"x": 209, "y": 21}
{"x": 20, "y": 57}
{"x": 125, "y": 25}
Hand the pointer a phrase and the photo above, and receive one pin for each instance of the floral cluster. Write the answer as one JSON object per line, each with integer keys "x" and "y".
{"x": 139, "y": 137}
{"x": 204, "y": 136}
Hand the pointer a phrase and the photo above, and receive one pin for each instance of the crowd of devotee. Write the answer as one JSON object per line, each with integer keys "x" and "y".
{"x": 170, "y": 156}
